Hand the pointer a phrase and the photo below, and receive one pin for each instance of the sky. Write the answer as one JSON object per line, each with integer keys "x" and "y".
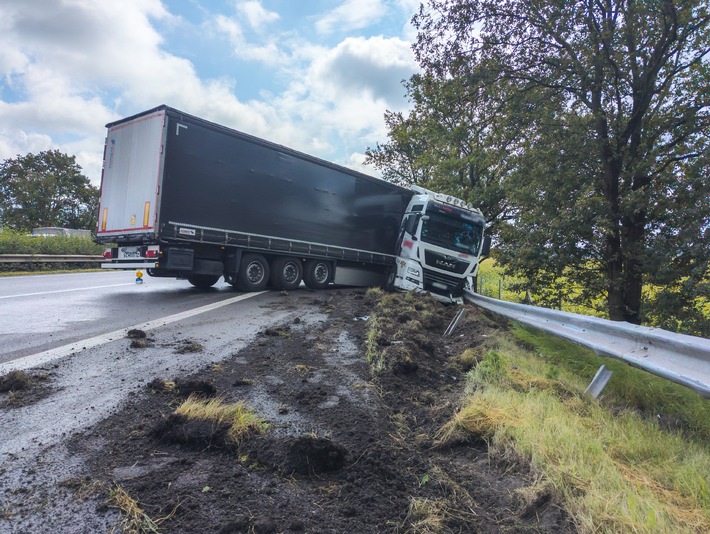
{"x": 314, "y": 75}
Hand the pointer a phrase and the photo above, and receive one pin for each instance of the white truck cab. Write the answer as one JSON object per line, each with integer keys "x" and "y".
{"x": 440, "y": 244}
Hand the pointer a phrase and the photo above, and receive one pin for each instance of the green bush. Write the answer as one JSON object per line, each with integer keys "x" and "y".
{"x": 13, "y": 242}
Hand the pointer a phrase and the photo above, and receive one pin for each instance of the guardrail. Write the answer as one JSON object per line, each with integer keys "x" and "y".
{"x": 49, "y": 258}
{"x": 676, "y": 357}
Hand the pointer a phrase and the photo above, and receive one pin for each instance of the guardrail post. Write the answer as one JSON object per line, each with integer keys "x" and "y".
{"x": 598, "y": 383}
{"x": 454, "y": 322}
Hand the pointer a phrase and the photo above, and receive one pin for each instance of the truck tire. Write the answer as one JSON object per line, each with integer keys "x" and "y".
{"x": 317, "y": 274}
{"x": 253, "y": 273}
{"x": 203, "y": 281}
{"x": 286, "y": 273}
{"x": 389, "y": 282}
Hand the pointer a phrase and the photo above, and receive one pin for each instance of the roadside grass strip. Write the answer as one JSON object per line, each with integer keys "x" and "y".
{"x": 615, "y": 468}
{"x": 629, "y": 388}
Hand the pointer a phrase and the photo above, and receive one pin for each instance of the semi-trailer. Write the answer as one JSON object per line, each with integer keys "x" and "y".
{"x": 186, "y": 198}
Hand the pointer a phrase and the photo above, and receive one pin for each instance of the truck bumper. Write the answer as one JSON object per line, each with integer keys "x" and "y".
{"x": 409, "y": 275}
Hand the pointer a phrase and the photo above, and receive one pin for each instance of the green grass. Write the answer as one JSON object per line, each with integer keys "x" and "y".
{"x": 629, "y": 388}
{"x": 611, "y": 463}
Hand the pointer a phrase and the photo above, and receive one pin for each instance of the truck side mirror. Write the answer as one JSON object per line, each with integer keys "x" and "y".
{"x": 486, "y": 251}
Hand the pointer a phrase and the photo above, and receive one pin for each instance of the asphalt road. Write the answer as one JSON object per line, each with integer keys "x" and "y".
{"x": 43, "y": 312}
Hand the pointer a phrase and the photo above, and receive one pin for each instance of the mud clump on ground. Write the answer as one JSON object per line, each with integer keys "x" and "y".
{"x": 16, "y": 381}
{"x": 187, "y": 346}
{"x": 309, "y": 455}
{"x": 135, "y": 333}
{"x": 21, "y": 388}
{"x": 347, "y": 446}
{"x": 198, "y": 434}
{"x": 199, "y": 388}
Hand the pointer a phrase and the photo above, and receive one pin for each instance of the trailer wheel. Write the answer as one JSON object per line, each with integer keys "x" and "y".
{"x": 317, "y": 274}
{"x": 203, "y": 281}
{"x": 286, "y": 273}
{"x": 253, "y": 273}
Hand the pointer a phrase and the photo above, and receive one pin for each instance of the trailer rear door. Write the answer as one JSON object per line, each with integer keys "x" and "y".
{"x": 131, "y": 176}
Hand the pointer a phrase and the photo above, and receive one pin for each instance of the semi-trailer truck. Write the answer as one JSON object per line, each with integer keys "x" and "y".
{"x": 186, "y": 198}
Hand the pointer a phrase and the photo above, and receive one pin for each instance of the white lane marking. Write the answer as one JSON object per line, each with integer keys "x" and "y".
{"x": 41, "y": 358}
{"x": 64, "y": 290}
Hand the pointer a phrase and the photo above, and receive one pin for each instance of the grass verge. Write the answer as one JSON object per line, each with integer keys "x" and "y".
{"x": 615, "y": 466}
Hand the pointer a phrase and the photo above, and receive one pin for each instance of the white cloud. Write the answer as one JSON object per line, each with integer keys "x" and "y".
{"x": 255, "y": 14}
{"x": 374, "y": 66}
{"x": 352, "y": 15}
{"x": 344, "y": 94}
{"x": 267, "y": 53}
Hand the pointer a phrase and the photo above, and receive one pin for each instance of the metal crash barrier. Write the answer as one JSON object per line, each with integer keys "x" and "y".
{"x": 676, "y": 357}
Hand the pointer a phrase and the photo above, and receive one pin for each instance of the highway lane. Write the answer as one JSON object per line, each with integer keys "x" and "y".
{"x": 42, "y": 312}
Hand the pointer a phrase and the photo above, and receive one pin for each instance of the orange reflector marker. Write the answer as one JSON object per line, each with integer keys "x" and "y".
{"x": 103, "y": 220}
{"x": 146, "y": 214}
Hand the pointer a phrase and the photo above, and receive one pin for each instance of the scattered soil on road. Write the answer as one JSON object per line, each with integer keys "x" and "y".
{"x": 340, "y": 444}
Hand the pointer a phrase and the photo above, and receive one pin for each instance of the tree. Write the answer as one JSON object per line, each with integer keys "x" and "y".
{"x": 448, "y": 143}
{"x": 46, "y": 189}
{"x": 610, "y": 103}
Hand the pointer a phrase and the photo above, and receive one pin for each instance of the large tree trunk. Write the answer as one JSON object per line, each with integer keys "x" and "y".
{"x": 614, "y": 273}
{"x": 624, "y": 255}
{"x": 614, "y": 250}
{"x": 625, "y": 270}
{"x": 633, "y": 245}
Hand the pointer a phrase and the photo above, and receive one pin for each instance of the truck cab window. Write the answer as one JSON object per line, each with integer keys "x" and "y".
{"x": 453, "y": 233}
{"x": 411, "y": 223}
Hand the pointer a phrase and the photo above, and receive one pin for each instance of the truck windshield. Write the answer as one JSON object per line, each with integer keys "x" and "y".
{"x": 452, "y": 233}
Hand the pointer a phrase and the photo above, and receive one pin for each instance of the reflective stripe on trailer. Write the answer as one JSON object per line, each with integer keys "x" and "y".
{"x": 131, "y": 266}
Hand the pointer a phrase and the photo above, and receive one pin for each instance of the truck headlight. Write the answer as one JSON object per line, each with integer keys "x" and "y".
{"x": 413, "y": 271}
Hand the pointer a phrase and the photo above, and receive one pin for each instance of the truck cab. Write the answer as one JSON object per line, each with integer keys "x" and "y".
{"x": 439, "y": 246}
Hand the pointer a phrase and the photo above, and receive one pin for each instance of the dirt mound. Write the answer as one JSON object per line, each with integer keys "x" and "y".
{"x": 198, "y": 388}
{"x": 309, "y": 455}
{"x": 197, "y": 434}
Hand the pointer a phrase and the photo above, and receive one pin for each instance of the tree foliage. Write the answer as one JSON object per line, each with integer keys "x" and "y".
{"x": 592, "y": 120}
{"x": 46, "y": 189}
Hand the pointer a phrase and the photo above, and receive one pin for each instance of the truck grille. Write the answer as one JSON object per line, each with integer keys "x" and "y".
{"x": 445, "y": 263}
{"x": 434, "y": 281}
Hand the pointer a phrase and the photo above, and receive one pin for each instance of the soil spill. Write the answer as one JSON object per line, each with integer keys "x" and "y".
{"x": 347, "y": 445}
